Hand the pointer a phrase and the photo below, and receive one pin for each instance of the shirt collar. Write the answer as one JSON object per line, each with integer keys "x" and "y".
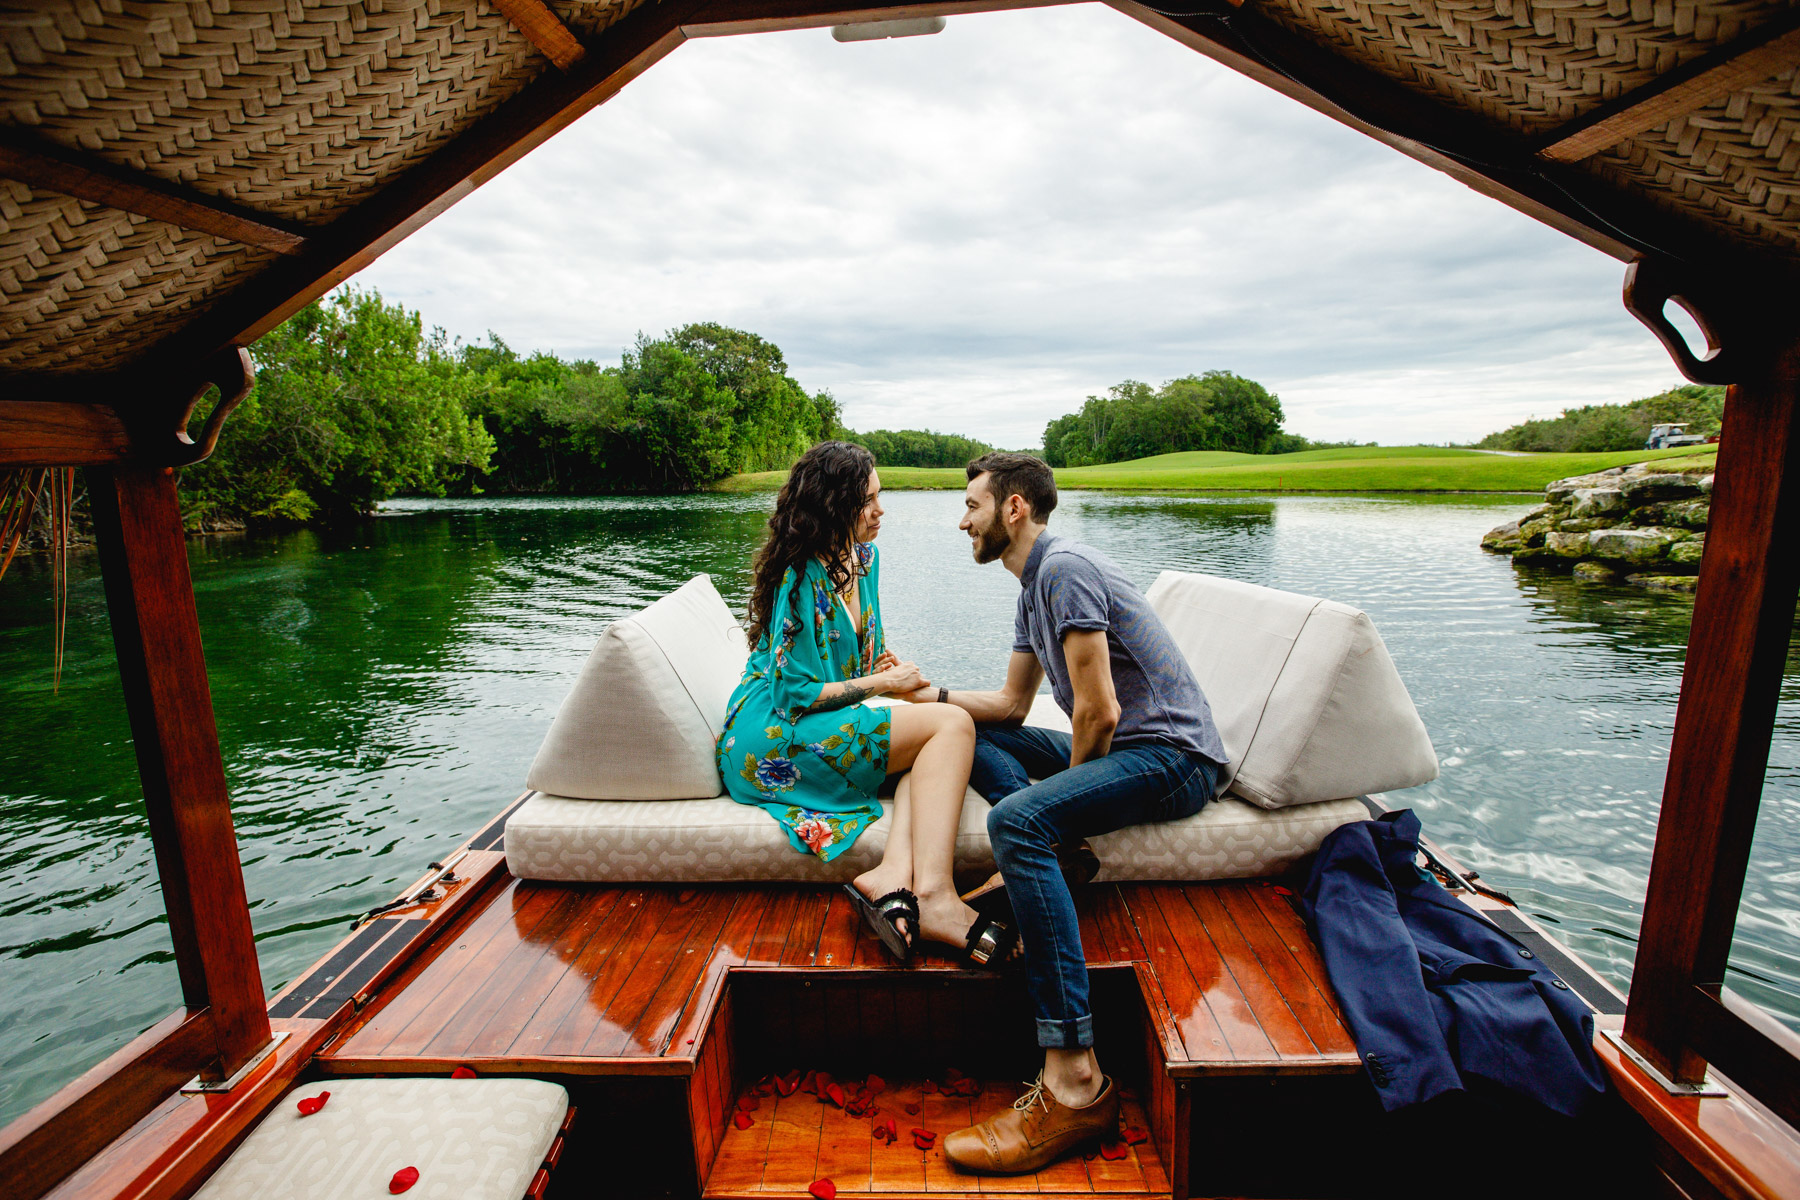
{"x": 1029, "y": 575}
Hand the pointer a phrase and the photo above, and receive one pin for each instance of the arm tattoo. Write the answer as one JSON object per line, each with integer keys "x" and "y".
{"x": 852, "y": 694}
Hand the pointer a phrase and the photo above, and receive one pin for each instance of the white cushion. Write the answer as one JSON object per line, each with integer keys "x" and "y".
{"x": 470, "y": 1139}
{"x": 1307, "y": 700}
{"x": 719, "y": 840}
{"x": 643, "y": 718}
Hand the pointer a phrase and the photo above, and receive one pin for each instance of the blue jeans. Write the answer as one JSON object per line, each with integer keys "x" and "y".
{"x": 1133, "y": 785}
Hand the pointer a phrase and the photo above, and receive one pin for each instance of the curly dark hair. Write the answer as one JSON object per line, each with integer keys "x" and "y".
{"x": 815, "y": 517}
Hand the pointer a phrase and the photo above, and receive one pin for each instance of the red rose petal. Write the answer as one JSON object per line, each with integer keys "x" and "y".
{"x": 1281, "y": 891}
{"x": 922, "y": 1143}
{"x": 876, "y": 1085}
{"x": 967, "y": 1087}
{"x": 835, "y": 1094}
{"x": 912, "y": 1108}
{"x": 312, "y": 1104}
{"x": 824, "y": 1189}
{"x": 951, "y": 1075}
{"x": 404, "y": 1178}
{"x": 742, "y": 1121}
{"x": 892, "y": 1131}
{"x": 463, "y": 1073}
{"x": 809, "y": 1081}
{"x": 787, "y": 1085}
{"x": 1090, "y": 1156}
{"x": 929, "y": 1087}
{"x": 747, "y": 1103}
{"x": 1113, "y": 1151}
{"x": 1135, "y": 1136}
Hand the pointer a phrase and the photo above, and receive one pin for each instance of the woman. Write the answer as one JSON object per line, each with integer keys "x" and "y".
{"x": 800, "y": 744}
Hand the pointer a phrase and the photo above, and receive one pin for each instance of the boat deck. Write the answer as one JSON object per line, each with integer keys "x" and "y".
{"x": 595, "y": 979}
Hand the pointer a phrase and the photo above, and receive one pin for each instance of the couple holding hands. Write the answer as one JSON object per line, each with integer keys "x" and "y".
{"x": 799, "y": 743}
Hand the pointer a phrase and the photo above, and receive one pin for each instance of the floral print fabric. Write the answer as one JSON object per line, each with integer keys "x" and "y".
{"x": 815, "y": 773}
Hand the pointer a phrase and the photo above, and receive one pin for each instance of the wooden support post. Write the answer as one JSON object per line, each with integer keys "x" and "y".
{"x": 1743, "y": 615}
{"x": 150, "y": 595}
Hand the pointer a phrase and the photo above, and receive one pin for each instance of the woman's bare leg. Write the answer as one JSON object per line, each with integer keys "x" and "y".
{"x": 895, "y": 870}
{"x": 937, "y": 741}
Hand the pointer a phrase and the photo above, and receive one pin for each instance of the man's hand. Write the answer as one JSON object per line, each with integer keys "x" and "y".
{"x": 1096, "y": 712}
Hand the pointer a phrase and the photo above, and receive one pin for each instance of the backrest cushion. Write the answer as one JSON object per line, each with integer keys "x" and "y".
{"x": 644, "y": 716}
{"x": 1307, "y": 700}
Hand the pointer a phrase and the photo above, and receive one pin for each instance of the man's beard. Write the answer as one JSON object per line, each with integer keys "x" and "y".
{"x": 992, "y": 542}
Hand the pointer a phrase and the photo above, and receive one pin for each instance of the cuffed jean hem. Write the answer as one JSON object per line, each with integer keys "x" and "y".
{"x": 1065, "y": 1035}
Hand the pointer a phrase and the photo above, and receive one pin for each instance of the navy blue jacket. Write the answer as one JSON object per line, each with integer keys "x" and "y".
{"x": 1433, "y": 993}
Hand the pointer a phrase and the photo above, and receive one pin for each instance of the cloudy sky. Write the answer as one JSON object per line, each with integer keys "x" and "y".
{"x": 973, "y": 231}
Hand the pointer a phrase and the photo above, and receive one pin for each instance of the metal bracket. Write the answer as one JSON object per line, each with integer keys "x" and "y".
{"x": 199, "y": 1086}
{"x": 1705, "y": 1089}
{"x": 1650, "y": 286}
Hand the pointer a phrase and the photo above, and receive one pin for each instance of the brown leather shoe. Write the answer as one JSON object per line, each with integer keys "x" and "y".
{"x": 1036, "y": 1131}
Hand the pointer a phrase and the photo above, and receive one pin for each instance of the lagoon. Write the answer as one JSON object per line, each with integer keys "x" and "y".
{"x": 381, "y": 689}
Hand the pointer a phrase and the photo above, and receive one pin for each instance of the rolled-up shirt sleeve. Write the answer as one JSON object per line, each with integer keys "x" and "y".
{"x": 1075, "y": 593}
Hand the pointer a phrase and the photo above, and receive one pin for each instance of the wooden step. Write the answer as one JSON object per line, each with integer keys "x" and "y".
{"x": 793, "y": 1141}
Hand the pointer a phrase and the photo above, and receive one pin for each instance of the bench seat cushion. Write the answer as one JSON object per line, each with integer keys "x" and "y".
{"x": 470, "y": 1139}
{"x": 1307, "y": 700}
{"x": 720, "y": 840}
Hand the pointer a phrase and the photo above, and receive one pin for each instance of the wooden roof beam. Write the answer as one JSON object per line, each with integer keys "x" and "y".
{"x": 534, "y": 19}
{"x": 1763, "y": 53}
{"x": 83, "y": 177}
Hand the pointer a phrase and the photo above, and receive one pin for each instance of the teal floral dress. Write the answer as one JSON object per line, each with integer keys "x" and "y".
{"x": 815, "y": 773}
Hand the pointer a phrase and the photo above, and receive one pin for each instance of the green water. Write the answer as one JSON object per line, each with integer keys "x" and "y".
{"x": 381, "y": 690}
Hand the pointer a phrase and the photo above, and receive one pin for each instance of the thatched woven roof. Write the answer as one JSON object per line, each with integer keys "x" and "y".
{"x": 328, "y": 130}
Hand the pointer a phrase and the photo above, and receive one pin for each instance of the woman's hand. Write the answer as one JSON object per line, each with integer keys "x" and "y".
{"x": 901, "y": 678}
{"x": 886, "y": 662}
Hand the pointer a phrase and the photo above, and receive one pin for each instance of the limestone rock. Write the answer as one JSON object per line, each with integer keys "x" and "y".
{"x": 1562, "y": 489}
{"x": 1688, "y": 551}
{"x": 1503, "y": 539}
{"x": 1629, "y": 545}
{"x": 1532, "y": 532}
{"x": 1651, "y": 489}
{"x": 1690, "y": 514}
{"x": 1593, "y": 572}
{"x": 1594, "y": 502}
{"x": 1665, "y": 583}
{"x": 1567, "y": 545}
{"x": 1589, "y": 524}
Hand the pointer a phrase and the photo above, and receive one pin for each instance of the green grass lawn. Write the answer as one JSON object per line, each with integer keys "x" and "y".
{"x": 1356, "y": 469}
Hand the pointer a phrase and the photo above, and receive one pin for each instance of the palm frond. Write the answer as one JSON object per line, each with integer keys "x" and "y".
{"x": 20, "y": 490}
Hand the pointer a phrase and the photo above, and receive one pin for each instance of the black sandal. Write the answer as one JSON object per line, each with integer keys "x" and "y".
{"x": 884, "y": 915}
{"x": 989, "y": 944}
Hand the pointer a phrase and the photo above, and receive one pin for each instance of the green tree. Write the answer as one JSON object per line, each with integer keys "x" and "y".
{"x": 1214, "y": 411}
{"x": 354, "y": 402}
{"x": 919, "y": 447}
{"x": 1601, "y": 427}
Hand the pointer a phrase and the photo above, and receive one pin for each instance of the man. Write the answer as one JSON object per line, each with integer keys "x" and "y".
{"x": 1144, "y": 748}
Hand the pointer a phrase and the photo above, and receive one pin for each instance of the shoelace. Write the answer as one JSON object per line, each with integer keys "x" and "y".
{"x": 1034, "y": 1096}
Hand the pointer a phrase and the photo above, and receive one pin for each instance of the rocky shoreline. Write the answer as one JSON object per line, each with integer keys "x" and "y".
{"x": 1636, "y": 524}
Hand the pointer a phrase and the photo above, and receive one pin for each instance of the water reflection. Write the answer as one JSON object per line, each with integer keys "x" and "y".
{"x": 381, "y": 691}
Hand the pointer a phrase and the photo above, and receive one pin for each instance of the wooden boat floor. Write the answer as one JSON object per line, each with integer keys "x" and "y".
{"x": 793, "y": 1140}
{"x": 609, "y": 979}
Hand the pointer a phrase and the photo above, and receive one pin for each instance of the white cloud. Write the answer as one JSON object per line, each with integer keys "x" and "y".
{"x": 972, "y": 231}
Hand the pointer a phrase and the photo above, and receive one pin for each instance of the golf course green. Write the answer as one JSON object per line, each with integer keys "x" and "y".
{"x": 1352, "y": 469}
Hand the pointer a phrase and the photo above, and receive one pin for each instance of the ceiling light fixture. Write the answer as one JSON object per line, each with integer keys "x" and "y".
{"x": 872, "y": 31}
